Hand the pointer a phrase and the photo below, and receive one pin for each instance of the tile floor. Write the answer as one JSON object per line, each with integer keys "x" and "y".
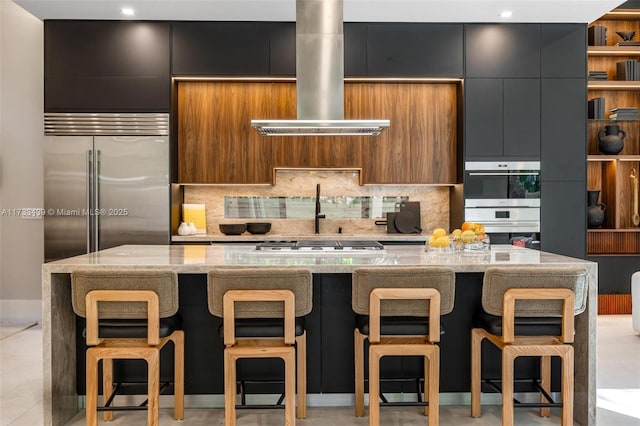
{"x": 618, "y": 391}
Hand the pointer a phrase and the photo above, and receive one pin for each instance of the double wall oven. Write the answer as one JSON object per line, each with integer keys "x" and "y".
{"x": 503, "y": 195}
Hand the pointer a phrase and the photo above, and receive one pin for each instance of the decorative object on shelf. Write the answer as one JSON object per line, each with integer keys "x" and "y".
{"x": 635, "y": 217}
{"x": 595, "y": 211}
{"x": 192, "y": 228}
{"x": 611, "y": 139}
{"x": 626, "y": 38}
{"x": 183, "y": 229}
{"x": 626, "y": 35}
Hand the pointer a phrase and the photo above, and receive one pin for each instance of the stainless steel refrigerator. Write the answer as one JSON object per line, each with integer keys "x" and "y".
{"x": 106, "y": 182}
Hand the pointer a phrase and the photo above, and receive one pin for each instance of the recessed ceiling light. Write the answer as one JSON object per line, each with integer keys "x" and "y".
{"x": 127, "y": 11}
{"x": 506, "y": 14}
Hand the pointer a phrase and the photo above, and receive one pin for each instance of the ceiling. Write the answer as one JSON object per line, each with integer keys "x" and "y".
{"x": 354, "y": 10}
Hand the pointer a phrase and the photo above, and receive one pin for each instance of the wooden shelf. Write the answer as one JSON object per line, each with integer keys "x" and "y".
{"x": 597, "y": 157}
{"x": 620, "y": 230}
{"x": 613, "y": 51}
{"x": 613, "y": 85}
{"x": 621, "y": 14}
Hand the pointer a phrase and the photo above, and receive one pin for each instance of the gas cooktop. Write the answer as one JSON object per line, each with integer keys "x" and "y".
{"x": 319, "y": 245}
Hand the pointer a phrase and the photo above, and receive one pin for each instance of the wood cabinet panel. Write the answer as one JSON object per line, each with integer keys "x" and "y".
{"x": 216, "y": 143}
{"x": 386, "y": 157}
{"x": 215, "y": 140}
{"x": 433, "y": 133}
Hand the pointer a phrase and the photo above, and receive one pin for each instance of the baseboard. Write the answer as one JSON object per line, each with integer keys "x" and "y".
{"x": 614, "y": 304}
{"x": 16, "y": 310}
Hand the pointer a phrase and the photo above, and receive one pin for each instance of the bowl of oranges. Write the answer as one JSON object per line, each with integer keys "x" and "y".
{"x": 471, "y": 236}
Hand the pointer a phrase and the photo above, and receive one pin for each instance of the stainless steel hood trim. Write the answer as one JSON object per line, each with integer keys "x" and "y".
{"x": 319, "y": 77}
{"x": 319, "y": 127}
{"x": 106, "y": 124}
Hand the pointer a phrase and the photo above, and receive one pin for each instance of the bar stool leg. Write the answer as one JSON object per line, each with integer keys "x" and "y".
{"x": 178, "y": 379}
{"x": 508, "y": 358}
{"x": 427, "y": 385}
{"x": 301, "y": 368}
{"x": 567, "y": 386}
{"x": 92, "y": 389}
{"x": 289, "y": 358}
{"x": 153, "y": 373}
{"x": 107, "y": 385}
{"x": 374, "y": 386}
{"x": 476, "y": 370}
{"x": 545, "y": 383}
{"x": 433, "y": 355}
{"x": 229, "y": 388}
{"x": 358, "y": 349}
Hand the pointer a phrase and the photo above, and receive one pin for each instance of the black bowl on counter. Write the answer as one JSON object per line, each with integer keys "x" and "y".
{"x": 258, "y": 227}
{"x": 232, "y": 228}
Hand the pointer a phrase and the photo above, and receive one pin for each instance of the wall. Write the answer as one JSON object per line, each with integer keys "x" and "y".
{"x": 21, "y": 137}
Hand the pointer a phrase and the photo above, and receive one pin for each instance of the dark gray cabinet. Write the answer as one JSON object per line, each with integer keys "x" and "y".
{"x": 563, "y": 217}
{"x": 282, "y": 49}
{"x": 563, "y": 147}
{"x": 221, "y": 48}
{"x": 564, "y": 50}
{"x": 355, "y": 49}
{"x": 107, "y": 66}
{"x": 502, "y": 118}
{"x": 483, "y": 117}
{"x": 415, "y": 50}
{"x": 502, "y": 50}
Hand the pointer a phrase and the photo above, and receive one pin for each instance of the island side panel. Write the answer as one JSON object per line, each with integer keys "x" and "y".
{"x": 60, "y": 400}
{"x": 585, "y": 349}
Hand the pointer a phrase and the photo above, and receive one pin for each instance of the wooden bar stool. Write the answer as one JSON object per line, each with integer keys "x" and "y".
{"x": 396, "y": 319}
{"x": 529, "y": 312}
{"x": 248, "y": 299}
{"x": 131, "y": 314}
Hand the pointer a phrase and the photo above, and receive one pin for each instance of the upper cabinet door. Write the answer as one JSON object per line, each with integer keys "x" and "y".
{"x": 502, "y": 50}
{"x": 221, "y": 48}
{"x": 355, "y": 49}
{"x": 107, "y": 66}
{"x": 415, "y": 50}
{"x": 564, "y": 50}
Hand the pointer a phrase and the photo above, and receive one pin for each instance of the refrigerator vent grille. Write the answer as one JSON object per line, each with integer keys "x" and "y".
{"x": 106, "y": 124}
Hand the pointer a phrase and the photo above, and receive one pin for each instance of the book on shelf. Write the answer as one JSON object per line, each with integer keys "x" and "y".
{"x": 597, "y": 35}
{"x": 596, "y": 109}
{"x": 628, "y": 70}
{"x": 628, "y": 43}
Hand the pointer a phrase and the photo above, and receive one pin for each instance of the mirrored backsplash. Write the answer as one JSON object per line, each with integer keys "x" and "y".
{"x": 289, "y": 205}
{"x": 340, "y": 207}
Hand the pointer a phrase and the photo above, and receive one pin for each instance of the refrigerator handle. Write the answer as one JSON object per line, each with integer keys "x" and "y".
{"x": 88, "y": 199}
{"x": 96, "y": 204}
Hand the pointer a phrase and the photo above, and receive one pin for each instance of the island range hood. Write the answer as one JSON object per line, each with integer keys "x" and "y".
{"x": 319, "y": 78}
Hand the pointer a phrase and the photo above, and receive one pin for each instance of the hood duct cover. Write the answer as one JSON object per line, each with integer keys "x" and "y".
{"x": 319, "y": 78}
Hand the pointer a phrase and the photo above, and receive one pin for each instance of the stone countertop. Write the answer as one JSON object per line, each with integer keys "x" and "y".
{"x": 200, "y": 258}
{"x": 246, "y": 237}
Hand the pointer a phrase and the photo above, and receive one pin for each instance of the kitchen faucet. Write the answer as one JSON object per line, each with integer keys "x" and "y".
{"x": 318, "y": 215}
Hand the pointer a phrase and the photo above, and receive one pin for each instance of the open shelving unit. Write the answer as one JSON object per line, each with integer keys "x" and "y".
{"x": 611, "y": 173}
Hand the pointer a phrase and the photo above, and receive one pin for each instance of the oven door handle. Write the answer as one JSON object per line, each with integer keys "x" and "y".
{"x": 503, "y": 174}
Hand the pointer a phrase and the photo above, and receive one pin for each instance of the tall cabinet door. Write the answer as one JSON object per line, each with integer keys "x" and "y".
{"x": 132, "y": 190}
{"x": 67, "y": 175}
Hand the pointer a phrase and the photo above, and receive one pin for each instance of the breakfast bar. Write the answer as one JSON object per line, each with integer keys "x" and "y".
{"x": 330, "y": 325}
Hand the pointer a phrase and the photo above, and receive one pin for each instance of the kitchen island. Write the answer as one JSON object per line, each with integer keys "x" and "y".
{"x": 329, "y": 325}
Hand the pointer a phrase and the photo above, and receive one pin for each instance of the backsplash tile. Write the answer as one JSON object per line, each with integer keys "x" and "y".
{"x": 434, "y": 201}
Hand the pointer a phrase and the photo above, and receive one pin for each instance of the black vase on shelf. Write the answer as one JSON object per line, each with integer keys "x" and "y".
{"x": 595, "y": 211}
{"x": 611, "y": 140}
